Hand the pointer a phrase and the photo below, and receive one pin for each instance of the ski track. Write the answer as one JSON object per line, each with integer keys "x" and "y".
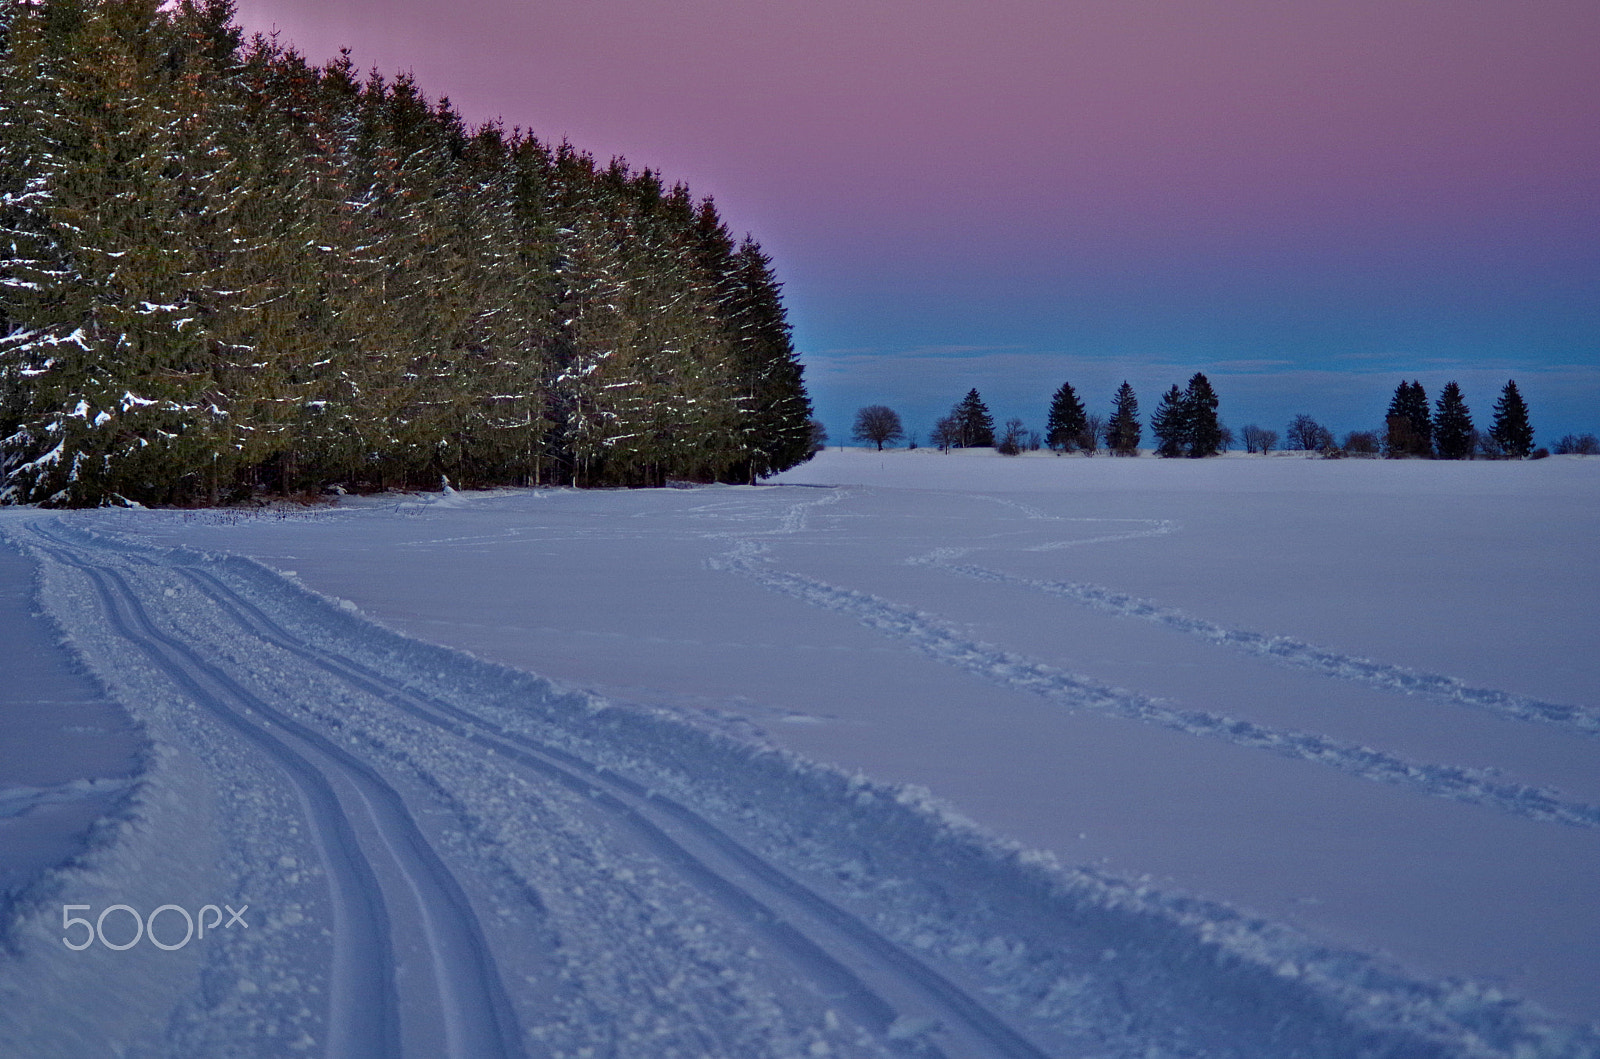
{"x": 651, "y": 815}
{"x": 1283, "y": 650}
{"x": 827, "y": 944}
{"x": 939, "y": 640}
{"x": 364, "y": 1009}
{"x": 1286, "y": 650}
{"x": 1039, "y": 943}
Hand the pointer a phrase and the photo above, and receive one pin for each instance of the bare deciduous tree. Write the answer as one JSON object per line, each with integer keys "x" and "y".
{"x": 1578, "y": 445}
{"x": 1094, "y": 430}
{"x": 1013, "y": 439}
{"x": 878, "y": 423}
{"x": 819, "y": 436}
{"x": 1308, "y": 434}
{"x": 1362, "y": 443}
{"x": 1259, "y": 439}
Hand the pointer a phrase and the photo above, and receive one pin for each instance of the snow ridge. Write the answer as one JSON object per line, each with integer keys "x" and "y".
{"x": 19, "y": 801}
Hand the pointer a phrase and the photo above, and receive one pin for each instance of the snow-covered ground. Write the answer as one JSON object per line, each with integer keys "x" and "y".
{"x": 908, "y": 753}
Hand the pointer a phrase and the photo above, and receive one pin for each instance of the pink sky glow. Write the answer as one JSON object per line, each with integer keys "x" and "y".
{"x": 1177, "y": 182}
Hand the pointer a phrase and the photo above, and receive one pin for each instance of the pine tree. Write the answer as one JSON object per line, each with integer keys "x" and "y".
{"x": 1512, "y": 429}
{"x": 1409, "y": 427}
{"x": 1422, "y": 425}
{"x": 108, "y": 359}
{"x": 1065, "y": 424}
{"x": 1123, "y": 431}
{"x": 1397, "y": 439}
{"x": 974, "y": 424}
{"x": 223, "y": 268}
{"x": 1452, "y": 426}
{"x": 1204, "y": 432}
{"x": 779, "y": 411}
{"x": 1171, "y": 424}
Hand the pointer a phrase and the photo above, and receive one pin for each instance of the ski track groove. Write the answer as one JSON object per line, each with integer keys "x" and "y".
{"x": 1291, "y": 652}
{"x": 939, "y": 640}
{"x": 636, "y": 805}
{"x": 650, "y": 815}
{"x": 363, "y": 1016}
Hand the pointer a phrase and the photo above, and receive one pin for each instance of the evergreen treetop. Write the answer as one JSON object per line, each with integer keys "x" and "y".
{"x": 1200, "y": 402}
{"x": 974, "y": 425}
{"x": 1452, "y": 426}
{"x": 1512, "y": 429}
{"x": 1171, "y": 424}
{"x": 1123, "y": 432}
{"x": 1065, "y": 424}
{"x": 1408, "y": 424}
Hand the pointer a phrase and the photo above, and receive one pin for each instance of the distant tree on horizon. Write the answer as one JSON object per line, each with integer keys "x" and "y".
{"x": 974, "y": 424}
{"x": 1064, "y": 425}
{"x": 1512, "y": 430}
{"x": 1452, "y": 425}
{"x": 1186, "y": 422}
{"x": 1578, "y": 445}
{"x": 1408, "y": 425}
{"x": 1170, "y": 424}
{"x": 1362, "y": 443}
{"x": 877, "y": 423}
{"x": 1258, "y": 439}
{"x": 1123, "y": 430}
{"x": 1014, "y": 438}
{"x": 1308, "y": 434}
{"x": 1204, "y": 434}
{"x": 1094, "y": 429}
{"x": 818, "y": 436}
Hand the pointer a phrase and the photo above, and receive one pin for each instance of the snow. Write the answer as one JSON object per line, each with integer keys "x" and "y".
{"x": 905, "y": 752}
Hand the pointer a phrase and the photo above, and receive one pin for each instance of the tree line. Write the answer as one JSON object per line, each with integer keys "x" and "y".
{"x": 1413, "y": 429}
{"x": 225, "y": 270}
{"x": 1186, "y": 424}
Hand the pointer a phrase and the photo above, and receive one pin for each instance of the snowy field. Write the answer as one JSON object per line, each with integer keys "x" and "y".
{"x": 903, "y": 754}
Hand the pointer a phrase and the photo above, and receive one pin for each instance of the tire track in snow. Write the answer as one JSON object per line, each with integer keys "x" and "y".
{"x": 364, "y": 1002}
{"x": 940, "y": 640}
{"x": 1288, "y": 651}
{"x": 717, "y": 864}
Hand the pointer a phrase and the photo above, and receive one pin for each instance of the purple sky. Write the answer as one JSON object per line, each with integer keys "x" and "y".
{"x": 1304, "y": 199}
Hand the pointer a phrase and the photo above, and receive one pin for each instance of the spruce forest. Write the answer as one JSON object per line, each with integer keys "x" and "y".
{"x": 227, "y": 271}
